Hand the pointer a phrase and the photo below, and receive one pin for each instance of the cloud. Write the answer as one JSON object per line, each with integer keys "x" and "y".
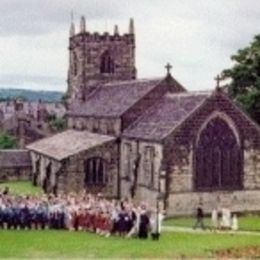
{"x": 34, "y": 17}
{"x": 197, "y": 37}
{"x": 16, "y": 80}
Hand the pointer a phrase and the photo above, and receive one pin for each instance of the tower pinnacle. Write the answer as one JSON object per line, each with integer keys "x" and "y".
{"x": 82, "y": 24}
{"x": 72, "y": 26}
{"x": 131, "y": 26}
{"x": 72, "y": 29}
{"x": 116, "y": 30}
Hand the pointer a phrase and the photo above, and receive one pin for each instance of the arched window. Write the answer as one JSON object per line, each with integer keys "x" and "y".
{"x": 148, "y": 165}
{"x": 107, "y": 63}
{"x": 218, "y": 158}
{"x": 127, "y": 160}
{"x": 95, "y": 172}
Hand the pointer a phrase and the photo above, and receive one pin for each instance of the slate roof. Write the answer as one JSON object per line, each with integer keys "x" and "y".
{"x": 68, "y": 143}
{"x": 158, "y": 121}
{"x": 14, "y": 158}
{"x": 113, "y": 99}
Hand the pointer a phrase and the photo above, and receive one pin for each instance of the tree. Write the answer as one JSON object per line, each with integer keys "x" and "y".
{"x": 7, "y": 141}
{"x": 57, "y": 124}
{"x": 244, "y": 87}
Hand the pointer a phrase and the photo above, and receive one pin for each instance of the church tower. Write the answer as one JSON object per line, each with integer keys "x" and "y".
{"x": 95, "y": 58}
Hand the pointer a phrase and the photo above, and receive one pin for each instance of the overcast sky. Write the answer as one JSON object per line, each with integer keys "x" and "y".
{"x": 196, "y": 37}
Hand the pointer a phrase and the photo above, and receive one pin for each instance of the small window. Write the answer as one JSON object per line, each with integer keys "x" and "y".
{"x": 107, "y": 63}
{"x": 148, "y": 165}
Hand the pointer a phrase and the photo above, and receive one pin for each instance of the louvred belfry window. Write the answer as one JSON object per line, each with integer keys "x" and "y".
{"x": 107, "y": 63}
{"x": 218, "y": 158}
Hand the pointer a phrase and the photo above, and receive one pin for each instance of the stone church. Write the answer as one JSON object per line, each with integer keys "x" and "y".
{"x": 147, "y": 139}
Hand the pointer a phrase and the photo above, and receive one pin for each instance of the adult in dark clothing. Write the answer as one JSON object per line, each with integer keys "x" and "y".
{"x": 1, "y": 219}
{"x": 122, "y": 222}
{"x": 143, "y": 226}
{"x": 199, "y": 218}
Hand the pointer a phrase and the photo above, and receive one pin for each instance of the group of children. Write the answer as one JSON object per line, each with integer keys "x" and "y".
{"x": 79, "y": 212}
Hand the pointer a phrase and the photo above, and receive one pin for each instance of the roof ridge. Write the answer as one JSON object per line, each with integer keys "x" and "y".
{"x": 123, "y": 82}
{"x": 189, "y": 93}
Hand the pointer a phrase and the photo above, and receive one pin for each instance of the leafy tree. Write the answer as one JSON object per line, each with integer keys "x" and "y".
{"x": 7, "y": 141}
{"x": 245, "y": 78}
{"x": 57, "y": 124}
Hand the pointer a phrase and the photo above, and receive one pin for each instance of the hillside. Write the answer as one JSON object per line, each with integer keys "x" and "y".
{"x": 31, "y": 95}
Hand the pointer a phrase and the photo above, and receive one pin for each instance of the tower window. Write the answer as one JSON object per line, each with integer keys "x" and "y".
{"x": 107, "y": 64}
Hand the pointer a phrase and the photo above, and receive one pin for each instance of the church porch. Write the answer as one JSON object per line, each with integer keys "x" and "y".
{"x": 74, "y": 161}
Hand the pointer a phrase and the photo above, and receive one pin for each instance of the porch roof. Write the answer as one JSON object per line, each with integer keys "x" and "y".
{"x": 68, "y": 143}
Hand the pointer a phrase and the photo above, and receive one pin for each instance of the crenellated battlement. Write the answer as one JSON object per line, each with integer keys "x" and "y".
{"x": 83, "y": 33}
{"x": 96, "y": 37}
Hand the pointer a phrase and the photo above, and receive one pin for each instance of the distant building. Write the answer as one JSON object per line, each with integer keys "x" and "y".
{"x": 138, "y": 138}
{"x": 28, "y": 121}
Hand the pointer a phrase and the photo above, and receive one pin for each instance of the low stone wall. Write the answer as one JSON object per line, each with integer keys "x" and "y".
{"x": 237, "y": 201}
{"x": 15, "y": 174}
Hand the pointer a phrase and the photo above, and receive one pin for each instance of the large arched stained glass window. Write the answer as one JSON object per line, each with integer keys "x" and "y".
{"x": 218, "y": 158}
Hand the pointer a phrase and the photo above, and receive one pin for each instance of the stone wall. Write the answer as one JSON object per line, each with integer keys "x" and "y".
{"x": 108, "y": 126}
{"x": 144, "y": 190}
{"x": 15, "y": 174}
{"x": 251, "y": 167}
{"x": 72, "y": 174}
{"x": 185, "y": 203}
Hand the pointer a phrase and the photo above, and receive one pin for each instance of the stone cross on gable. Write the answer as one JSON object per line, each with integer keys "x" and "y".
{"x": 218, "y": 79}
{"x": 168, "y": 68}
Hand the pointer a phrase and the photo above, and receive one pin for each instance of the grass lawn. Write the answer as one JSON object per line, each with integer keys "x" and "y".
{"x": 248, "y": 222}
{"x": 61, "y": 244}
{"x": 21, "y": 187}
{"x": 64, "y": 244}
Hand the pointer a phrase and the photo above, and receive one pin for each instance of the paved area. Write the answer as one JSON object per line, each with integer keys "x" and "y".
{"x": 207, "y": 231}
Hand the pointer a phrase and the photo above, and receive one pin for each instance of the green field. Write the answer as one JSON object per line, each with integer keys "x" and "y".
{"x": 246, "y": 223}
{"x": 21, "y": 187}
{"x": 65, "y": 244}
{"x": 53, "y": 244}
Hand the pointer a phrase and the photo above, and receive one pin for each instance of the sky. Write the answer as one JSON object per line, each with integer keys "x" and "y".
{"x": 196, "y": 37}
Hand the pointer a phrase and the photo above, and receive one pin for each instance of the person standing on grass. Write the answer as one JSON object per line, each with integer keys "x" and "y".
{"x": 214, "y": 219}
{"x": 234, "y": 222}
{"x": 144, "y": 223}
{"x": 156, "y": 224}
{"x": 199, "y": 218}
